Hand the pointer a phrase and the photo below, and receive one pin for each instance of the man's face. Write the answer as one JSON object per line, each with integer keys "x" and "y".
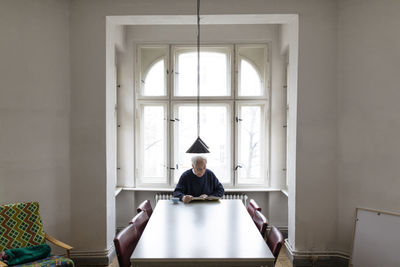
{"x": 200, "y": 168}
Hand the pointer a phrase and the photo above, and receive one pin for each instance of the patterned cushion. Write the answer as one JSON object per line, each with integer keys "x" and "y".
{"x": 50, "y": 262}
{"x": 20, "y": 226}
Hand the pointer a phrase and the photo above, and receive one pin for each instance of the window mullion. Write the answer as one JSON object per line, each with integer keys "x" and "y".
{"x": 171, "y": 126}
{"x": 235, "y": 149}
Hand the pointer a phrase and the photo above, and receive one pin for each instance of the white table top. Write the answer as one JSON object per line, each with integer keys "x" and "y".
{"x": 204, "y": 232}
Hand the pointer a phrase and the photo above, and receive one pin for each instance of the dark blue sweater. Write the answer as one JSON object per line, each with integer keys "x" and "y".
{"x": 190, "y": 184}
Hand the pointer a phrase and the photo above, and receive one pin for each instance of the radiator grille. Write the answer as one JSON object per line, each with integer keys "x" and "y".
{"x": 242, "y": 197}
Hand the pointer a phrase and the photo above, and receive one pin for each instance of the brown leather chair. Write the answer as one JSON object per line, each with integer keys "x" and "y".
{"x": 252, "y": 207}
{"x": 145, "y": 206}
{"x": 275, "y": 241}
{"x": 140, "y": 221}
{"x": 125, "y": 242}
{"x": 261, "y": 222}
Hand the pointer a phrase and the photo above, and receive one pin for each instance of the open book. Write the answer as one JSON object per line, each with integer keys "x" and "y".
{"x": 207, "y": 198}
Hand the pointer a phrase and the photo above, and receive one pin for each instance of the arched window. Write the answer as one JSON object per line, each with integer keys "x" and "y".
{"x": 233, "y": 112}
{"x": 154, "y": 81}
{"x": 250, "y": 82}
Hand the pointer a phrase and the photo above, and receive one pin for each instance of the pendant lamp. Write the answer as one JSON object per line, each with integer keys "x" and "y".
{"x": 198, "y": 146}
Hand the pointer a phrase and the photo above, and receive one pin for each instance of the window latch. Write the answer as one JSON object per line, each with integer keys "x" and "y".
{"x": 174, "y": 119}
{"x": 176, "y": 167}
{"x": 238, "y": 166}
{"x": 238, "y": 119}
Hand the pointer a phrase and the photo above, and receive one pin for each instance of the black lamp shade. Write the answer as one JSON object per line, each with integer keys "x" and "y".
{"x": 198, "y": 147}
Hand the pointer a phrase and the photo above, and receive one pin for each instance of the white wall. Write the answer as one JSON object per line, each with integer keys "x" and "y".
{"x": 115, "y": 41}
{"x": 93, "y": 132}
{"x": 89, "y": 193}
{"x": 289, "y": 44}
{"x": 316, "y": 193}
{"x": 34, "y": 109}
{"x": 368, "y": 110}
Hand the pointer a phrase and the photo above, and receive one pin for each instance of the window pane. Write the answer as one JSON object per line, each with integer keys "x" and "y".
{"x": 250, "y": 82}
{"x": 253, "y": 67}
{"x": 152, "y": 65}
{"x": 213, "y": 74}
{"x": 155, "y": 80}
{"x": 153, "y": 146}
{"x": 250, "y": 143}
{"x": 215, "y": 131}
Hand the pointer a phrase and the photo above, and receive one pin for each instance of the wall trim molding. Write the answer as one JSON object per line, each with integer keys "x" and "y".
{"x": 316, "y": 258}
{"x": 101, "y": 258}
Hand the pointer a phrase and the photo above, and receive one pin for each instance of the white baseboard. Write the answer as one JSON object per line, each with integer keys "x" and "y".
{"x": 98, "y": 258}
{"x": 316, "y": 258}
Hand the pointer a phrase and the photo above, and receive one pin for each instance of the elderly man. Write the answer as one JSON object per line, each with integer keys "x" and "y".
{"x": 198, "y": 181}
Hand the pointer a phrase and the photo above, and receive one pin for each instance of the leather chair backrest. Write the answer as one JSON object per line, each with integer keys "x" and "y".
{"x": 261, "y": 222}
{"x": 252, "y": 207}
{"x": 125, "y": 242}
{"x": 275, "y": 241}
{"x": 145, "y": 206}
{"x": 140, "y": 222}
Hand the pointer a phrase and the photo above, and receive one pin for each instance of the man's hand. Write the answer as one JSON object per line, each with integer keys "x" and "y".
{"x": 204, "y": 196}
{"x": 187, "y": 198}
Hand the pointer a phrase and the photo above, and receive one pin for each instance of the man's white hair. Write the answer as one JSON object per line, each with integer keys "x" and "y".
{"x": 197, "y": 159}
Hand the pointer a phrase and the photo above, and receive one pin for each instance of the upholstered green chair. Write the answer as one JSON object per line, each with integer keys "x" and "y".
{"x": 21, "y": 227}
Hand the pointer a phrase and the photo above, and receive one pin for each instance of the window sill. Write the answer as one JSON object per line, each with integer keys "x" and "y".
{"x": 228, "y": 190}
{"x": 161, "y": 189}
{"x": 266, "y": 189}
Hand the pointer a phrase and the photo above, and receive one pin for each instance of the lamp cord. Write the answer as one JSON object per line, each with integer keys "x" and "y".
{"x": 198, "y": 68}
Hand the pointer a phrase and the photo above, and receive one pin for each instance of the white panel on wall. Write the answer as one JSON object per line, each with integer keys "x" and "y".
{"x": 376, "y": 239}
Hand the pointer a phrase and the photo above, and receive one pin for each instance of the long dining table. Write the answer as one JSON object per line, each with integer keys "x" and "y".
{"x": 201, "y": 233}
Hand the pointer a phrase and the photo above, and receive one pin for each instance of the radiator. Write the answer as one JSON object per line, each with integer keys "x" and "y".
{"x": 242, "y": 197}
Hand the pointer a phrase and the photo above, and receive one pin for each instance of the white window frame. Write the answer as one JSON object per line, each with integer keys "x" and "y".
{"x": 170, "y": 100}
{"x": 265, "y": 137}
{"x": 228, "y": 49}
{"x": 265, "y": 75}
{"x": 140, "y": 76}
{"x": 139, "y": 182}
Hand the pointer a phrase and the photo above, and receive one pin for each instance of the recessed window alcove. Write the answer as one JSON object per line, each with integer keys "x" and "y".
{"x": 127, "y": 92}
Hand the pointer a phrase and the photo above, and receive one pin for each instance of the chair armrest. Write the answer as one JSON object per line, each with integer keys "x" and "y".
{"x": 59, "y": 243}
{"x": 2, "y": 264}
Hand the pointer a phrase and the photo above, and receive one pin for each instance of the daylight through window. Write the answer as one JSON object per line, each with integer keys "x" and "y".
{"x": 233, "y": 112}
